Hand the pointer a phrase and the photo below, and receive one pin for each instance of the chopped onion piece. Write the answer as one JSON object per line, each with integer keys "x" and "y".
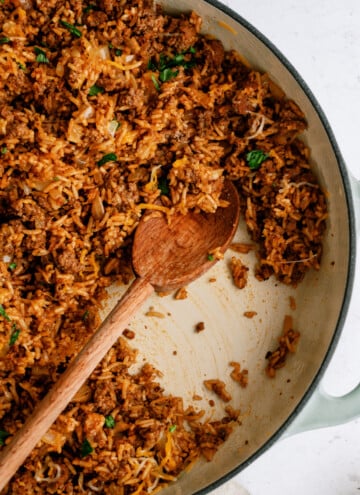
{"x": 112, "y": 127}
{"x": 26, "y": 189}
{"x": 40, "y": 479}
{"x": 104, "y": 52}
{"x": 87, "y": 113}
{"x": 257, "y": 127}
{"x": 75, "y": 131}
{"x": 95, "y": 488}
{"x": 39, "y": 185}
{"x": 26, "y": 4}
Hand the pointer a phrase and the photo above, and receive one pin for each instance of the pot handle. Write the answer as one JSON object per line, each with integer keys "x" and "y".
{"x": 323, "y": 410}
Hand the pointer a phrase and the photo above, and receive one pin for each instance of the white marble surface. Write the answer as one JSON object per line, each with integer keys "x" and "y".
{"x": 322, "y": 40}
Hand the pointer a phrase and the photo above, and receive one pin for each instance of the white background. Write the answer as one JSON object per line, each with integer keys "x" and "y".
{"x": 321, "y": 38}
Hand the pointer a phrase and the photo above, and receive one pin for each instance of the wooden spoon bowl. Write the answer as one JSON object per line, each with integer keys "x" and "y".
{"x": 172, "y": 254}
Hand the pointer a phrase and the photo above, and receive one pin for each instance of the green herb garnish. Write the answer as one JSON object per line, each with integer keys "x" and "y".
{"x": 255, "y": 158}
{"x": 95, "y": 90}
{"x": 178, "y": 59}
{"x": 110, "y": 157}
{"x": 3, "y": 436}
{"x": 4, "y": 40}
{"x": 71, "y": 28}
{"x": 4, "y": 313}
{"x": 156, "y": 82}
{"x": 85, "y": 316}
{"x": 86, "y": 448}
{"x": 163, "y": 185}
{"x": 166, "y": 65}
{"x": 21, "y": 66}
{"x": 167, "y": 74}
{"x": 172, "y": 428}
{"x": 118, "y": 51}
{"x": 12, "y": 266}
{"x": 41, "y": 56}
{"x": 210, "y": 257}
{"x": 14, "y": 336}
{"x": 3, "y": 150}
{"x": 151, "y": 65}
{"x": 109, "y": 421}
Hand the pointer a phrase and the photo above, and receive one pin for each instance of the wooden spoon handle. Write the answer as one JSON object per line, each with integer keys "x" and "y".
{"x": 71, "y": 380}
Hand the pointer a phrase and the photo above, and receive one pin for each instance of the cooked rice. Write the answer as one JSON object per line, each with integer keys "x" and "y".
{"x": 91, "y": 135}
{"x": 239, "y": 272}
{"x": 288, "y": 342}
{"x": 292, "y": 303}
{"x": 242, "y": 247}
{"x": 250, "y": 314}
{"x": 239, "y": 375}
{"x": 181, "y": 293}
{"x": 219, "y": 388}
{"x": 154, "y": 314}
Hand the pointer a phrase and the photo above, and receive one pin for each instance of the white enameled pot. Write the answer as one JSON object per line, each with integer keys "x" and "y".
{"x": 294, "y": 400}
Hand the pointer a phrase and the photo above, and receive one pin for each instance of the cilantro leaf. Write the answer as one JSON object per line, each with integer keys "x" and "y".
{"x": 4, "y": 313}
{"x": 3, "y": 436}
{"x": 109, "y": 421}
{"x": 95, "y": 90}
{"x": 110, "y": 157}
{"x": 156, "y": 82}
{"x": 163, "y": 185}
{"x": 14, "y": 336}
{"x": 41, "y": 56}
{"x": 166, "y": 64}
{"x": 71, "y": 28}
{"x": 151, "y": 65}
{"x": 255, "y": 158}
{"x": 86, "y": 448}
{"x": 167, "y": 74}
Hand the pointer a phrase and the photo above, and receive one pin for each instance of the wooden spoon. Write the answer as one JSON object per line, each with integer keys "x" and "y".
{"x": 165, "y": 256}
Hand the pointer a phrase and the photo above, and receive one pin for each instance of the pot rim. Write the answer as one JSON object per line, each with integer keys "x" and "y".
{"x": 351, "y": 254}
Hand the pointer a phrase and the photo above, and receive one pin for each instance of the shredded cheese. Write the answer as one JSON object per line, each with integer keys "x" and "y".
{"x": 150, "y": 206}
{"x": 152, "y": 185}
{"x": 226, "y": 26}
{"x": 168, "y": 461}
{"x": 120, "y": 66}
